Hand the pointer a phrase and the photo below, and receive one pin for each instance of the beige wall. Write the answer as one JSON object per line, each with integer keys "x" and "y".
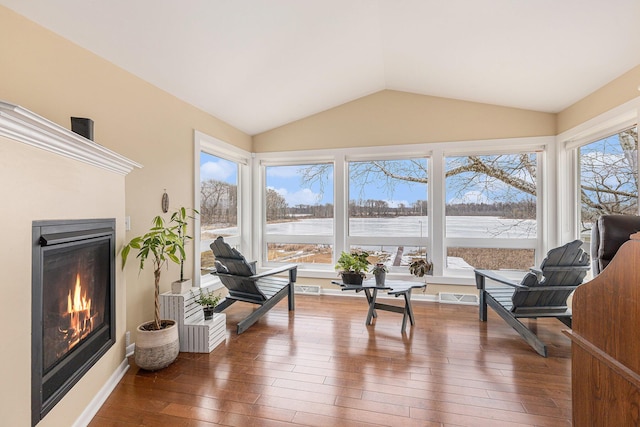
{"x": 391, "y": 117}
{"x": 617, "y": 92}
{"x": 56, "y": 79}
{"x": 38, "y": 185}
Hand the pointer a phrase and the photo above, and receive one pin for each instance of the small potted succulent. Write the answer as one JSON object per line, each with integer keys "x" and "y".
{"x": 353, "y": 266}
{"x": 379, "y": 271}
{"x": 208, "y": 300}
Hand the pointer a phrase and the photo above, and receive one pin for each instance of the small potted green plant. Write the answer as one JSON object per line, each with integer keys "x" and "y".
{"x": 421, "y": 267}
{"x": 208, "y": 300}
{"x": 379, "y": 271}
{"x": 353, "y": 266}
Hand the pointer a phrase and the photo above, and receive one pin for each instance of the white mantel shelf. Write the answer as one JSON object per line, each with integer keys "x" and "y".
{"x": 24, "y": 126}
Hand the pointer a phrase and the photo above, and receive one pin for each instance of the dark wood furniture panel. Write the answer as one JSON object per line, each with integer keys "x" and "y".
{"x": 606, "y": 344}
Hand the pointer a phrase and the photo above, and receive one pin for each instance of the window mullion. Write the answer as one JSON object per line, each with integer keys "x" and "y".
{"x": 436, "y": 216}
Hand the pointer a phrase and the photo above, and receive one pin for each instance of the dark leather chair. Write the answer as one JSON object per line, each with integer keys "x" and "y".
{"x": 609, "y": 232}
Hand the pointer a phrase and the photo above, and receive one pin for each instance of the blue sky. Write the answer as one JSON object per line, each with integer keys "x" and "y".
{"x": 286, "y": 180}
{"x": 212, "y": 167}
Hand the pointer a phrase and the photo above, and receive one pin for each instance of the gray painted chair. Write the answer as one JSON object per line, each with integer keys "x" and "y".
{"x": 542, "y": 292}
{"x": 240, "y": 278}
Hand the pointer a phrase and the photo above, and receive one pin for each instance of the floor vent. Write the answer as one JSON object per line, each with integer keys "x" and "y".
{"x": 447, "y": 297}
{"x": 307, "y": 289}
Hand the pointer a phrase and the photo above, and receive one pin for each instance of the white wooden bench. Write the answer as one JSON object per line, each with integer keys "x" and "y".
{"x": 196, "y": 334}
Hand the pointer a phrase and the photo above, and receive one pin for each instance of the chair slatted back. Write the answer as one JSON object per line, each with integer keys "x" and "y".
{"x": 566, "y": 265}
{"x": 235, "y": 272}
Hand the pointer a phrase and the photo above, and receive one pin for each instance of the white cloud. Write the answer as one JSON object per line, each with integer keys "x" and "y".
{"x": 283, "y": 172}
{"x": 301, "y": 197}
{"x": 220, "y": 171}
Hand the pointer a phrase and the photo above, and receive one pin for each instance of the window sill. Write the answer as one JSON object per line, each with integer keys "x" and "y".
{"x": 451, "y": 278}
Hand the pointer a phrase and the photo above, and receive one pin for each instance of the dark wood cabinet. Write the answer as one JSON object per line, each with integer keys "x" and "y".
{"x": 606, "y": 344}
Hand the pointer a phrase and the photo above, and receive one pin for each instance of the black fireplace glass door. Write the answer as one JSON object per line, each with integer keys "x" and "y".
{"x": 75, "y": 296}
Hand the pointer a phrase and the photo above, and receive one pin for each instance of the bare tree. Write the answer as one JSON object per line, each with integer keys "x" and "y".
{"x": 609, "y": 183}
{"x": 276, "y": 205}
{"x": 218, "y": 202}
{"x": 609, "y": 176}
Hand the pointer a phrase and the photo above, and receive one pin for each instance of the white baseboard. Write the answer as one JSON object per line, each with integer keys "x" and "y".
{"x": 96, "y": 403}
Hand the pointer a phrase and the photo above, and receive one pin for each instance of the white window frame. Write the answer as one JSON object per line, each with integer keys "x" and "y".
{"x": 216, "y": 147}
{"x": 418, "y": 241}
{"x": 258, "y": 210}
{"x": 435, "y": 152}
{"x": 568, "y": 143}
{"x": 537, "y": 243}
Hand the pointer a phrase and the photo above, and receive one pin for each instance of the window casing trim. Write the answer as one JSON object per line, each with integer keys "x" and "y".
{"x": 567, "y": 163}
{"x": 435, "y": 154}
{"x": 211, "y": 145}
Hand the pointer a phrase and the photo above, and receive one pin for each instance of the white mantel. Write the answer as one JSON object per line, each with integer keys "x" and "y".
{"x": 22, "y": 125}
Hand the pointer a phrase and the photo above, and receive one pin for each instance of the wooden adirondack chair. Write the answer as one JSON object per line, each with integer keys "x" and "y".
{"x": 243, "y": 284}
{"x": 542, "y": 292}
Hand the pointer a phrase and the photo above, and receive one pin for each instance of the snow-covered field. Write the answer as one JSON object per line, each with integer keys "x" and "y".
{"x": 456, "y": 226}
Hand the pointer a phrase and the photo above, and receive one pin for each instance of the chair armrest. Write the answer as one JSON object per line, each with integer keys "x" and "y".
{"x": 490, "y": 274}
{"x": 277, "y": 270}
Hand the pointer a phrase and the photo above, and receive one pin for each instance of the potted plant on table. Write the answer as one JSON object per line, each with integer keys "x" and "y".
{"x": 380, "y": 273}
{"x": 157, "y": 342}
{"x": 180, "y": 219}
{"x": 353, "y": 266}
{"x": 208, "y": 300}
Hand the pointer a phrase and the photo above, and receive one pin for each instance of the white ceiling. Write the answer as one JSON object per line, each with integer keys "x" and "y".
{"x": 259, "y": 64}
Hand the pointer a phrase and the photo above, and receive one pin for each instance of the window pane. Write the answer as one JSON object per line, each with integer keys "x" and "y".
{"x": 491, "y": 196}
{"x": 299, "y": 200}
{"x": 608, "y": 178}
{"x": 490, "y": 258}
{"x": 300, "y": 253}
{"x": 388, "y": 198}
{"x": 218, "y": 203}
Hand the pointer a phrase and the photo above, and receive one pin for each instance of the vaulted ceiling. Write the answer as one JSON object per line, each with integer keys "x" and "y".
{"x": 259, "y": 64}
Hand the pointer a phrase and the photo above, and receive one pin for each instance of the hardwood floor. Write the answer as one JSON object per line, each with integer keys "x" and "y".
{"x": 323, "y": 367}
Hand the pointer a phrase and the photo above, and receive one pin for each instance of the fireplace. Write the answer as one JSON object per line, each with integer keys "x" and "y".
{"x": 73, "y": 305}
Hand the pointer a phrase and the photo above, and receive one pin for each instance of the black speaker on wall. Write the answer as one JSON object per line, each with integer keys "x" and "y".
{"x": 82, "y": 126}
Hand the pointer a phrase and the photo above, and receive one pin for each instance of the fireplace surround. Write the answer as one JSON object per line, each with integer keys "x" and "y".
{"x": 73, "y": 304}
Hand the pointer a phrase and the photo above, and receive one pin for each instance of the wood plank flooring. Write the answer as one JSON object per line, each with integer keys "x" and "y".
{"x": 323, "y": 367}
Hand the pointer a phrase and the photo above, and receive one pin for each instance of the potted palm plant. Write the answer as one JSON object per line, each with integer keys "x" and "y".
{"x": 353, "y": 266}
{"x": 157, "y": 343}
{"x": 180, "y": 219}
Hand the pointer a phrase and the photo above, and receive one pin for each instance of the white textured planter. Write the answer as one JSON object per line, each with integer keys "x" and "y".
{"x": 180, "y": 286}
{"x": 157, "y": 349}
